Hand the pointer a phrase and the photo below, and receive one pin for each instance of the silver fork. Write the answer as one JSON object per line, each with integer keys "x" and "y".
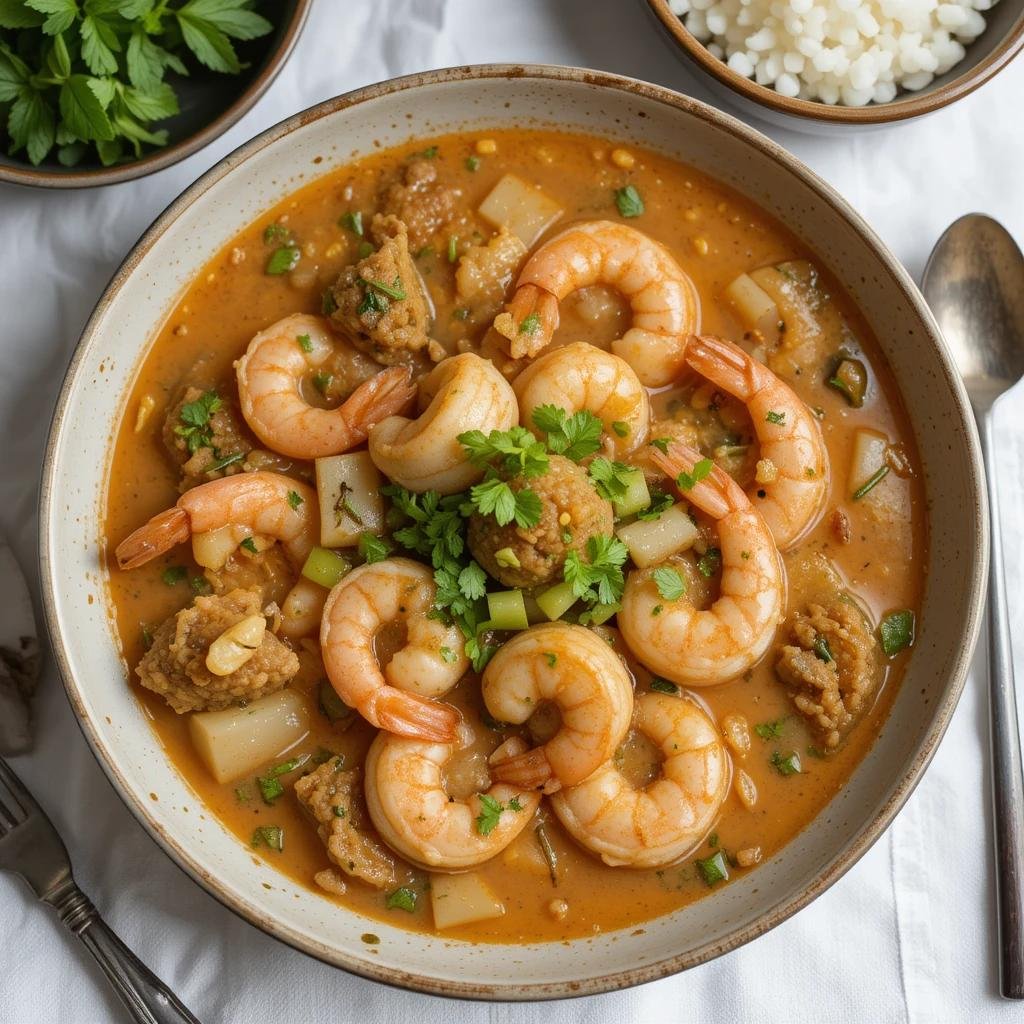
{"x": 30, "y": 847}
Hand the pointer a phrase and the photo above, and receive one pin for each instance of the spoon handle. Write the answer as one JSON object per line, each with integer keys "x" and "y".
{"x": 1007, "y": 781}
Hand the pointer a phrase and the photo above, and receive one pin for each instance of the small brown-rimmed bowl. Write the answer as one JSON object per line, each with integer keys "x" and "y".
{"x": 240, "y": 188}
{"x": 210, "y": 104}
{"x": 987, "y": 55}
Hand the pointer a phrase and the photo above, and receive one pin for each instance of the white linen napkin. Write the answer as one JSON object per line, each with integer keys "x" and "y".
{"x": 906, "y": 935}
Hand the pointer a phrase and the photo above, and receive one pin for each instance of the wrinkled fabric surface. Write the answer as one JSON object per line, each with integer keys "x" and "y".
{"x": 906, "y": 935}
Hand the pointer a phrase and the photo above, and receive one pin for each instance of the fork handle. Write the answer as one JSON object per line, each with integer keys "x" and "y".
{"x": 147, "y": 998}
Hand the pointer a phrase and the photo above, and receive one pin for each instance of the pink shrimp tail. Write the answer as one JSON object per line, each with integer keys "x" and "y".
{"x": 723, "y": 363}
{"x": 717, "y": 494}
{"x": 409, "y": 714}
{"x": 160, "y": 534}
{"x": 530, "y": 770}
{"x": 385, "y": 394}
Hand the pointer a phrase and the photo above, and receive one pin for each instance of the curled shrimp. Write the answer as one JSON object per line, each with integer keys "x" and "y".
{"x": 580, "y": 376}
{"x": 463, "y": 393}
{"x": 664, "y": 301}
{"x": 793, "y": 486}
{"x": 704, "y": 647}
{"x": 265, "y": 504}
{"x": 270, "y": 375}
{"x": 661, "y": 823}
{"x": 584, "y": 678}
{"x": 415, "y": 815}
{"x": 399, "y": 697}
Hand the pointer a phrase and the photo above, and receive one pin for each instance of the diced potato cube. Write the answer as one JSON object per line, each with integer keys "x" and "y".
{"x": 756, "y": 309}
{"x": 350, "y": 500}
{"x": 522, "y": 208}
{"x": 650, "y": 542}
{"x": 462, "y": 899}
{"x": 868, "y": 456}
{"x": 236, "y": 741}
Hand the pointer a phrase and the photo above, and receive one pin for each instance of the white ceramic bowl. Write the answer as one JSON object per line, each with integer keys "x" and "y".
{"x": 206, "y": 216}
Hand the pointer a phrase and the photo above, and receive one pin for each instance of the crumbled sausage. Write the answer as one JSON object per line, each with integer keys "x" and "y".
{"x": 267, "y": 571}
{"x": 379, "y": 300}
{"x": 840, "y": 523}
{"x": 484, "y": 274}
{"x": 831, "y": 666}
{"x": 225, "y": 435}
{"x": 334, "y": 800}
{"x": 420, "y": 201}
{"x": 175, "y": 665}
{"x": 571, "y": 513}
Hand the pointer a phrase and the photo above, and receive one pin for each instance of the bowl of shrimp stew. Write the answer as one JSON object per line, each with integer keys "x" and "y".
{"x": 512, "y": 532}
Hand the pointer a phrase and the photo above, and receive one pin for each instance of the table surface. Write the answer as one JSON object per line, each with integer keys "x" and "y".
{"x": 906, "y": 935}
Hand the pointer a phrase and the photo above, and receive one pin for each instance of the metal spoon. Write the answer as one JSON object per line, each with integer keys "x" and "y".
{"x": 974, "y": 283}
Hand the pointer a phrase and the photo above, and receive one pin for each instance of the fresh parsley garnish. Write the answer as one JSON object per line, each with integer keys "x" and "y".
{"x": 710, "y": 562}
{"x": 513, "y": 451}
{"x": 448, "y": 656}
{"x": 90, "y": 76}
{"x": 530, "y": 324}
{"x": 576, "y": 436}
{"x": 294, "y": 500}
{"x": 701, "y": 470}
{"x": 373, "y": 548}
{"x": 305, "y": 342}
{"x": 661, "y": 501}
{"x": 660, "y": 685}
{"x": 599, "y": 579}
{"x": 661, "y": 443}
{"x": 494, "y": 497}
{"x": 402, "y": 899}
{"x": 353, "y": 220}
{"x": 778, "y": 418}
{"x": 490, "y": 813}
{"x": 671, "y": 586}
{"x": 770, "y": 730}
{"x": 283, "y": 260}
{"x": 173, "y": 575}
{"x": 250, "y": 545}
{"x": 195, "y": 427}
{"x": 610, "y": 479}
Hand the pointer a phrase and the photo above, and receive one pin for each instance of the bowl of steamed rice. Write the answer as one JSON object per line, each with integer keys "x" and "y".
{"x": 813, "y": 64}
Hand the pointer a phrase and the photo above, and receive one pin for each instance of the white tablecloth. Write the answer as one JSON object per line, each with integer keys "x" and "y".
{"x": 907, "y": 935}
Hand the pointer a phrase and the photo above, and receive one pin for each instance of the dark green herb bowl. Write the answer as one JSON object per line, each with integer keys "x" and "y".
{"x": 210, "y": 104}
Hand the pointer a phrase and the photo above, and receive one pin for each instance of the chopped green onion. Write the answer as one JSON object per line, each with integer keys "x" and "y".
{"x": 283, "y": 260}
{"x": 322, "y": 381}
{"x": 250, "y": 545}
{"x": 472, "y": 163}
{"x": 549, "y": 853}
{"x": 269, "y": 835}
{"x": 822, "y": 650}
{"x": 270, "y": 788}
{"x": 453, "y": 248}
{"x": 621, "y": 428}
{"x": 200, "y": 585}
{"x": 557, "y": 600}
{"x": 364, "y": 249}
{"x": 173, "y": 575}
{"x": 507, "y": 610}
{"x": 224, "y": 462}
{"x": 629, "y": 201}
{"x": 714, "y": 868}
{"x": 778, "y": 418}
{"x": 331, "y": 705}
{"x": 872, "y": 481}
{"x": 851, "y": 381}
{"x": 660, "y": 685}
{"x": 353, "y": 221}
{"x": 325, "y": 567}
{"x": 305, "y": 342}
{"x": 392, "y": 291}
{"x": 788, "y": 764}
{"x": 897, "y": 631}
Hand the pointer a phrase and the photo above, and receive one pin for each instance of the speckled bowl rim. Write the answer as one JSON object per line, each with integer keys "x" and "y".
{"x": 170, "y": 155}
{"x": 902, "y": 109}
{"x": 859, "y": 842}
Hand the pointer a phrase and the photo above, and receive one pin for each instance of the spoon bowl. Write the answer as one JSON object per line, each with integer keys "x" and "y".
{"x": 974, "y": 283}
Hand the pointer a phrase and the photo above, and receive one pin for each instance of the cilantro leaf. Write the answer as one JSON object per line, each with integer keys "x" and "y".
{"x": 671, "y": 586}
{"x": 490, "y": 814}
{"x": 701, "y": 470}
{"x": 494, "y": 497}
{"x": 610, "y": 479}
{"x": 575, "y": 436}
{"x": 372, "y": 548}
{"x": 710, "y": 562}
{"x": 195, "y": 427}
{"x": 514, "y": 451}
{"x": 473, "y": 582}
{"x": 660, "y": 502}
{"x": 599, "y": 579}
{"x": 402, "y": 899}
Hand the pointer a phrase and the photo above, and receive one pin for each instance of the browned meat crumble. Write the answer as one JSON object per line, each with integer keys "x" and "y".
{"x": 333, "y": 798}
{"x": 175, "y": 665}
{"x": 831, "y": 666}
{"x": 420, "y": 201}
{"x": 227, "y": 436}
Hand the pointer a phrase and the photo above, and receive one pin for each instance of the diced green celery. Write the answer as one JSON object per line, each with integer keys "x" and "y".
{"x": 556, "y": 601}
{"x": 507, "y": 610}
{"x": 601, "y": 613}
{"x": 637, "y": 496}
{"x": 325, "y": 567}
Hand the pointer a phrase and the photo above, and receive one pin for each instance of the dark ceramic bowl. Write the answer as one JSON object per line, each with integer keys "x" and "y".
{"x": 210, "y": 104}
{"x": 992, "y": 51}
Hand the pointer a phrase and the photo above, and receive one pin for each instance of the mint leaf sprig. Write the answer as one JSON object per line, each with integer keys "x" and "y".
{"x": 88, "y": 75}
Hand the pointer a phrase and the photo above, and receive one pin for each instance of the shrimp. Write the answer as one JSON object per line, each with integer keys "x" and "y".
{"x": 432, "y": 659}
{"x": 793, "y": 488}
{"x": 415, "y": 815}
{"x": 269, "y": 390}
{"x": 464, "y": 393}
{"x": 704, "y": 647}
{"x": 584, "y": 678}
{"x": 659, "y": 824}
{"x": 262, "y": 503}
{"x": 664, "y": 301}
{"x": 580, "y": 376}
